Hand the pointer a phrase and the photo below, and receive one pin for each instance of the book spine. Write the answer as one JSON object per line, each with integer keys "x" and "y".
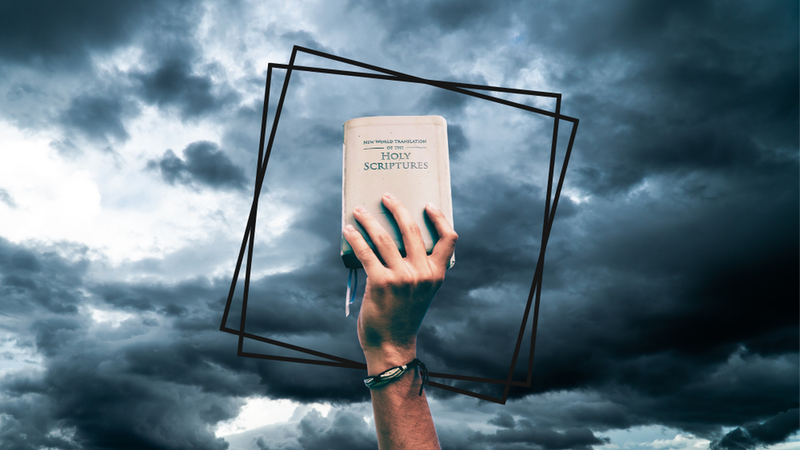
{"x": 344, "y": 185}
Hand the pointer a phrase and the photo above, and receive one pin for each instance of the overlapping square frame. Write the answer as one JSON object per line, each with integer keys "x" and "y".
{"x": 248, "y": 239}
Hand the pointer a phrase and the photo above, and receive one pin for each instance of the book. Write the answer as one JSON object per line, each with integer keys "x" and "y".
{"x": 406, "y": 156}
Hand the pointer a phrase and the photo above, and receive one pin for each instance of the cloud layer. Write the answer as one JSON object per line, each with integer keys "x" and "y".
{"x": 670, "y": 286}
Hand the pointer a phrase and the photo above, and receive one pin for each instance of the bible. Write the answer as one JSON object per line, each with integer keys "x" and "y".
{"x": 406, "y": 156}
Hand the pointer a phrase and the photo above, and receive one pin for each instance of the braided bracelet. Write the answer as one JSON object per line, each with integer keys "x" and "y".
{"x": 395, "y": 373}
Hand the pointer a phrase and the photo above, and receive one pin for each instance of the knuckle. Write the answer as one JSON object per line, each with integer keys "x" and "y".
{"x": 401, "y": 279}
{"x": 384, "y": 238}
{"x": 435, "y": 277}
{"x": 427, "y": 282}
{"x": 363, "y": 252}
{"x": 451, "y": 237}
{"x": 405, "y": 278}
{"x": 382, "y": 283}
{"x": 414, "y": 230}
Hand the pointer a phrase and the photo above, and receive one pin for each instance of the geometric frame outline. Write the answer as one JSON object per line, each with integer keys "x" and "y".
{"x": 248, "y": 239}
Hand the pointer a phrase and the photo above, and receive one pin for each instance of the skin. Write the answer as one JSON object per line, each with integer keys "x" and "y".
{"x": 396, "y": 299}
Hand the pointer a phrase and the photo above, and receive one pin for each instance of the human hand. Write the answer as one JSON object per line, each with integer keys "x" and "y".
{"x": 397, "y": 295}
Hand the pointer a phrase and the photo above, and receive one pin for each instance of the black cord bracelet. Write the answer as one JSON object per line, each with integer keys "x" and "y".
{"x": 395, "y": 373}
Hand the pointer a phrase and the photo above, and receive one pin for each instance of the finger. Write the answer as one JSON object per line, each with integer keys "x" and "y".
{"x": 383, "y": 241}
{"x": 446, "y": 245}
{"x": 412, "y": 236}
{"x": 361, "y": 249}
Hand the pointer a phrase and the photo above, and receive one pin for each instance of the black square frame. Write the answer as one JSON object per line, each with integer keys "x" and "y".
{"x": 248, "y": 239}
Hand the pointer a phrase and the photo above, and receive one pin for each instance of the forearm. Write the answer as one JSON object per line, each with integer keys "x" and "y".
{"x": 402, "y": 416}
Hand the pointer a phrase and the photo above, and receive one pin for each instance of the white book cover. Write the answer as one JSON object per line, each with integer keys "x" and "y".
{"x": 406, "y": 156}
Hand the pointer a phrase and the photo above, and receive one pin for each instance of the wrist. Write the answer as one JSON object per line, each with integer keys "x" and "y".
{"x": 396, "y": 373}
{"x": 385, "y": 357}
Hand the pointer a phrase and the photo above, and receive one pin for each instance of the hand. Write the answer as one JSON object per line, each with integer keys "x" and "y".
{"x": 398, "y": 294}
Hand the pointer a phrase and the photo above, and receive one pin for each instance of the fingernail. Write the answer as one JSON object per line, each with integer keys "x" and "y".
{"x": 349, "y": 227}
{"x": 389, "y": 196}
{"x": 431, "y": 205}
{"x": 360, "y": 209}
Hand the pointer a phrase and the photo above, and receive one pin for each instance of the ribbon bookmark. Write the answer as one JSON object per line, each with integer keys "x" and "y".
{"x": 352, "y": 280}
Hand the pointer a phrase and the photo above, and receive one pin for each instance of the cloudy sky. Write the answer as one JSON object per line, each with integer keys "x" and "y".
{"x": 128, "y": 142}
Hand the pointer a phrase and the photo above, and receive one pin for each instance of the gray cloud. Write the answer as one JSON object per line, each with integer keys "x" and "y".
{"x": 344, "y": 430}
{"x": 97, "y": 408}
{"x": 45, "y": 31}
{"x": 99, "y": 116}
{"x": 437, "y": 17}
{"x": 526, "y": 433}
{"x": 457, "y": 141}
{"x": 447, "y": 103}
{"x": 91, "y": 373}
{"x": 691, "y": 102}
{"x": 6, "y": 198}
{"x": 238, "y": 133}
{"x": 504, "y": 420}
{"x": 173, "y": 84}
{"x": 203, "y": 163}
{"x": 669, "y": 290}
{"x": 343, "y": 427}
{"x": 46, "y": 281}
{"x": 775, "y": 430}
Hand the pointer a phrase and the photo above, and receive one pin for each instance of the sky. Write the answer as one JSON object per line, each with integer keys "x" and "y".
{"x": 129, "y": 135}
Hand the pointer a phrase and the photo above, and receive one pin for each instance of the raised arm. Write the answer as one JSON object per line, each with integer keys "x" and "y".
{"x": 396, "y": 299}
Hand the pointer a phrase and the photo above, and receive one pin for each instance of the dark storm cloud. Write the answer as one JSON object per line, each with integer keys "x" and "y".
{"x": 527, "y": 433}
{"x": 519, "y": 434}
{"x": 46, "y": 281}
{"x": 304, "y": 308}
{"x": 434, "y": 17}
{"x": 44, "y": 31}
{"x": 676, "y": 99}
{"x": 775, "y": 430}
{"x": 674, "y": 310}
{"x": 96, "y": 406}
{"x": 73, "y": 38}
{"x": 343, "y": 430}
{"x": 203, "y": 163}
{"x": 503, "y": 420}
{"x": 675, "y": 87}
{"x": 174, "y": 84}
{"x": 94, "y": 375}
{"x": 142, "y": 383}
{"x": 99, "y": 117}
{"x": 457, "y": 141}
{"x": 451, "y": 106}
{"x": 444, "y": 102}
{"x": 301, "y": 307}
{"x": 343, "y": 427}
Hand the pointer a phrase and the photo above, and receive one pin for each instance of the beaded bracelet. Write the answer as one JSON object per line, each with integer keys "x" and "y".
{"x": 395, "y": 373}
